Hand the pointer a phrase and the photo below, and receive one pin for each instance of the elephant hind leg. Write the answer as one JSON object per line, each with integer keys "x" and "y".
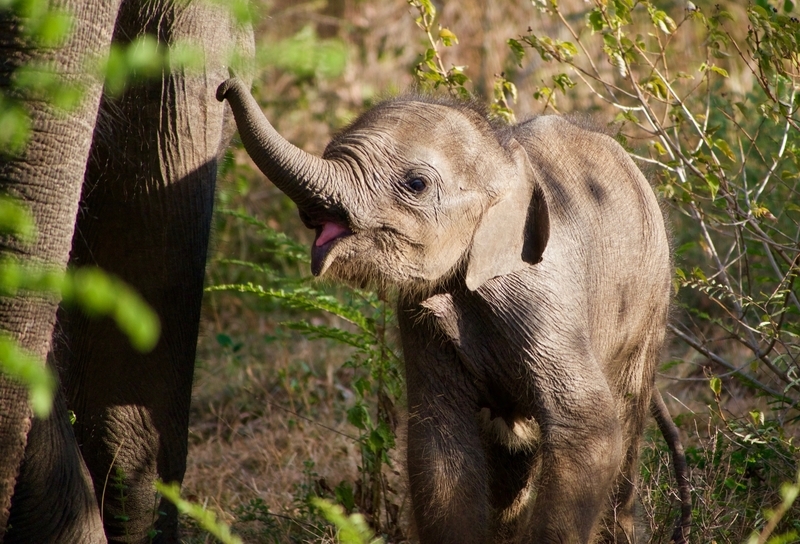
{"x": 620, "y": 524}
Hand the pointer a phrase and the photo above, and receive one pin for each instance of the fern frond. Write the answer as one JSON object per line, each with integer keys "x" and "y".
{"x": 304, "y": 298}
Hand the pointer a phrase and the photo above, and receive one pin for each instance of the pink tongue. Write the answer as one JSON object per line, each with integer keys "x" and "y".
{"x": 330, "y": 231}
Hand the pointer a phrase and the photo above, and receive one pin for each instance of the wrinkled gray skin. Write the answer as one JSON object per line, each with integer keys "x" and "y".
{"x": 533, "y": 271}
{"x": 125, "y": 183}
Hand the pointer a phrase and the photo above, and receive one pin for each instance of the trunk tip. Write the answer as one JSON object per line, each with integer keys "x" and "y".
{"x": 226, "y": 86}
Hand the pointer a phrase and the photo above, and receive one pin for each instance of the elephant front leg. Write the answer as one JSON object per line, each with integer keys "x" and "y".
{"x": 446, "y": 461}
{"x": 447, "y": 473}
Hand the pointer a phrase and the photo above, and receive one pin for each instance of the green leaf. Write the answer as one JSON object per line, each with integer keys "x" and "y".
{"x": 663, "y": 22}
{"x": 542, "y": 93}
{"x": 757, "y": 416}
{"x": 428, "y": 7}
{"x": 626, "y": 115}
{"x": 52, "y": 29}
{"x": 712, "y": 180}
{"x": 136, "y": 319}
{"x": 568, "y": 50}
{"x": 224, "y": 340}
{"x": 596, "y": 21}
{"x": 716, "y": 385}
{"x": 723, "y": 146}
{"x": 763, "y": 5}
{"x": 517, "y": 50}
{"x": 659, "y": 148}
{"x": 303, "y": 299}
{"x": 353, "y": 529}
{"x": 100, "y": 294}
{"x": 563, "y": 82}
{"x": 656, "y": 86}
{"x": 205, "y": 518}
{"x": 375, "y": 442}
{"x": 698, "y": 274}
{"x": 16, "y": 219}
{"x": 718, "y": 70}
{"x": 345, "y": 496}
{"x": 315, "y": 332}
{"x": 358, "y": 416}
{"x": 144, "y": 57}
{"x": 386, "y": 434}
{"x": 94, "y": 290}
{"x": 733, "y": 484}
{"x": 448, "y": 38}
{"x": 15, "y": 127}
{"x": 363, "y": 386}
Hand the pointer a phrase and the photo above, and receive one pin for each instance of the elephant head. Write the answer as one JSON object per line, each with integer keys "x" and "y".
{"x": 415, "y": 191}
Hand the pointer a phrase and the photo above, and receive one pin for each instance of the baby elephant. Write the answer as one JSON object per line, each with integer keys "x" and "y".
{"x": 533, "y": 275}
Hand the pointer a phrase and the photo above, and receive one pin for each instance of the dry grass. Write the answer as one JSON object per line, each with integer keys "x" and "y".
{"x": 262, "y": 414}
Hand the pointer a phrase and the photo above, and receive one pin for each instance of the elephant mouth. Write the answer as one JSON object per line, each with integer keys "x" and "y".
{"x": 328, "y": 235}
{"x": 330, "y": 230}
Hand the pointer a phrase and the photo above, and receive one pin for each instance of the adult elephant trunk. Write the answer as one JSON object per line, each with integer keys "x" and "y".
{"x": 302, "y": 176}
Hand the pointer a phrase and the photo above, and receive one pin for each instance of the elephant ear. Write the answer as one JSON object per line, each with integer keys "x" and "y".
{"x": 514, "y": 231}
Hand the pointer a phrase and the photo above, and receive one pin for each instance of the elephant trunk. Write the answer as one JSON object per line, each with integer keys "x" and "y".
{"x": 302, "y": 176}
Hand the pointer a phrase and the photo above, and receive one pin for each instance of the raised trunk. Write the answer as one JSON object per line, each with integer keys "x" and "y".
{"x": 302, "y": 176}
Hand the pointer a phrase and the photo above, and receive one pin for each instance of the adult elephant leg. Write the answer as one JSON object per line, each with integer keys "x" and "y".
{"x": 54, "y": 500}
{"x": 446, "y": 462}
{"x": 145, "y": 217}
{"x": 38, "y": 457}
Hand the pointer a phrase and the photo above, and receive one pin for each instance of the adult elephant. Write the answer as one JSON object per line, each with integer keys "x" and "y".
{"x": 125, "y": 183}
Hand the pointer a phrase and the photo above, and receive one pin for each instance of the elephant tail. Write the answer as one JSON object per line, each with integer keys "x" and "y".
{"x": 670, "y": 431}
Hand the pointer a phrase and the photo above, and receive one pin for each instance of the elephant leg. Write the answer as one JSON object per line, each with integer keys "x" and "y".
{"x": 54, "y": 502}
{"x": 512, "y": 475}
{"x": 634, "y": 384}
{"x": 46, "y": 177}
{"x": 145, "y": 217}
{"x": 446, "y": 460}
{"x": 582, "y": 450}
{"x": 447, "y": 473}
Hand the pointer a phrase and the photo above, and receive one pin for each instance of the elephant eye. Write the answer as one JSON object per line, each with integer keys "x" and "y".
{"x": 416, "y": 185}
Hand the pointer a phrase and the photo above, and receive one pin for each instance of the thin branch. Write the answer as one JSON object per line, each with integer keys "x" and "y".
{"x": 777, "y": 159}
{"x": 700, "y": 348}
